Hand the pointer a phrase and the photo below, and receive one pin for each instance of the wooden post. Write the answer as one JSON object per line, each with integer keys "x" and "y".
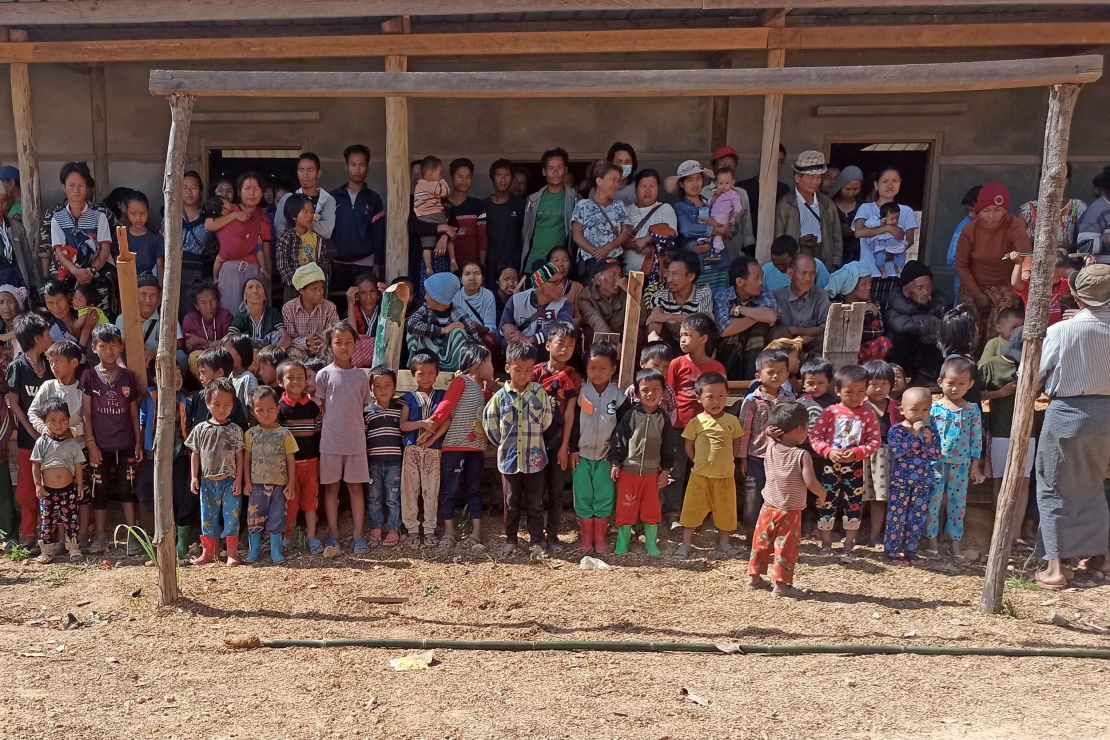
{"x": 769, "y": 164}
{"x": 398, "y": 186}
{"x": 843, "y": 334}
{"x": 390, "y": 336}
{"x": 128, "y": 282}
{"x": 98, "y": 96}
{"x": 27, "y": 152}
{"x": 633, "y": 305}
{"x": 1061, "y": 105}
{"x": 718, "y": 132}
{"x": 181, "y": 112}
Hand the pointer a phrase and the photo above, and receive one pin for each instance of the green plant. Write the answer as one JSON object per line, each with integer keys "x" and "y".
{"x": 1009, "y": 608}
{"x": 140, "y": 536}
{"x": 298, "y": 542}
{"x": 18, "y": 553}
{"x": 1022, "y": 577}
{"x": 57, "y": 575}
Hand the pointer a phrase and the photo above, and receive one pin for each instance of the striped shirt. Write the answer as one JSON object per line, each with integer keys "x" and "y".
{"x": 1073, "y": 360}
{"x": 462, "y": 404}
{"x": 514, "y": 422}
{"x": 82, "y": 235}
{"x": 383, "y": 433}
{"x": 700, "y": 301}
{"x": 302, "y": 418}
{"x": 785, "y": 489}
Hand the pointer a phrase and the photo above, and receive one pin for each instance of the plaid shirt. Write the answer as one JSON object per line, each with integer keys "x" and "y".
{"x": 290, "y": 253}
{"x": 302, "y": 324}
{"x": 425, "y": 323}
{"x": 514, "y": 422}
{"x": 753, "y": 418}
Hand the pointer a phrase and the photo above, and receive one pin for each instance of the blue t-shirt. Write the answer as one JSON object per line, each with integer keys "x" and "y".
{"x": 147, "y": 248}
{"x": 418, "y": 413}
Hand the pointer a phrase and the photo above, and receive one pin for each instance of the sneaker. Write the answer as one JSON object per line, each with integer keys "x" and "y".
{"x": 99, "y": 545}
{"x": 682, "y": 552}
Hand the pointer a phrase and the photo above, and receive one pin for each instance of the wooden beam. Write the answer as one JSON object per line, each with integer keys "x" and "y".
{"x": 948, "y": 36}
{"x": 400, "y": 24}
{"x": 398, "y": 184}
{"x": 774, "y": 17}
{"x": 26, "y": 151}
{"x": 127, "y": 281}
{"x": 718, "y": 128}
{"x": 769, "y": 163}
{"x": 904, "y": 78}
{"x": 633, "y": 305}
{"x": 1057, "y": 134}
{"x": 98, "y": 93}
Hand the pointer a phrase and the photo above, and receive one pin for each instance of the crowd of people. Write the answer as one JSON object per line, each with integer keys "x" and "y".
{"x": 523, "y": 298}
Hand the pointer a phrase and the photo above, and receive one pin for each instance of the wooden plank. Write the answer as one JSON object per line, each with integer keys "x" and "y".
{"x": 944, "y": 36}
{"x": 127, "y": 280}
{"x": 843, "y": 334}
{"x": 390, "y": 338}
{"x": 98, "y": 95}
{"x": 26, "y": 151}
{"x": 905, "y": 78}
{"x": 769, "y": 162}
{"x": 718, "y": 127}
{"x": 1061, "y": 105}
{"x": 633, "y": 305}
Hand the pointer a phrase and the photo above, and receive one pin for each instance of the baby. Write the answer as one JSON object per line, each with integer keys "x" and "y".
{"x": 427, "y": 204}
{"x": 887, "y": 246}
{"x": 724, "y": 207}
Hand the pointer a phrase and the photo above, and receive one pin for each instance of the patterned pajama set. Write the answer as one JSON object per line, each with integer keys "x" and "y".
{"x": 961, "y": 441}
{"x": 842, "y": 428}
{"x": 911, "y": 489}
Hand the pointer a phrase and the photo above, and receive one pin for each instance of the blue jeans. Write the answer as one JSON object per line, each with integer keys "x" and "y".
{"x": 385, "y": 486}
{"x": 266, "y": 509}
{"x": 218, "y": 497}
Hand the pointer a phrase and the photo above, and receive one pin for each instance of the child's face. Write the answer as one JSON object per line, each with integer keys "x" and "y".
{"x": 520, "y": 372}
{"x": 206, "y": 373}
{"x": 267, "y": 373}
{"x": 507, "y": 280}
{"x": 1005, "y": 327}
{"x": 108, "y": 352}
{"x": 306, "y": 216}
{"x": 890, "y": 220}
{"x": 599, "y": 371}
{"x": 312, "y": 294}
{"x": 436, "y": 305}
{"x": 58, "y": 306}
{"x": 208, "y": 303}
{"x": 815, "y": 384}
{"x": 917, "y": 406}
{"x": 657, "y": 363}
{"x": 852, "y": 394}
{"x": 137, "y": 214}
{"x": 342, "y": 347}
{"x": 772, "y": 376}
{"x": 368, "y": 296}
{"x": 878, "y": 390}
{"x": 293, "y": 381}
{"x": 425, "y": 376}
{"x": 691, "y": 341}
{"x": 899, "y": 380}
{"x": 651, "y": 394}
{"x": 64, "y": 368}
{"x": 383, "y": 388}
{"x": 236, "y": 360}
{"x": 220, "y": 405}
{"x": 58, "y": 423}
{"x": 484, "y": 371}
{"x": 954, "y": 386}
{"x": 713, "y": 398}
{"x": 310, "y": 383}
{"x": 79, "y": 300}
{"x": 561, "y": 349}
{"x": 472, "y": 278}
{"x": 724, "y": 182}
{"x": 266, "y": 411}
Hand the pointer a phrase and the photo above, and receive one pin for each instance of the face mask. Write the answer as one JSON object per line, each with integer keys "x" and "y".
{"x": 626, "y": 171}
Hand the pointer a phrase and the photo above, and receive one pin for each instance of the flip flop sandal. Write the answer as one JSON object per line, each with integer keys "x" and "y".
{"x": 375, "y": 538}
{"x": 391, "y": 540}
{"x": 1050, "y": 586}
{"x": 412, "y": 541}
{"x": 431, "y": 540}
{"x": 447, "y": 542}
{"x": 360, "y": 547}
{"x": 315, "y": 547}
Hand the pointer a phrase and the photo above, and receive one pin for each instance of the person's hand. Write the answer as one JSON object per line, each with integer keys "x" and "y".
{"x": 138, "y": 452}
{"x": 663, "y": 479}
{"x": 83, "y": 275}
{"x": 1014, "y": 256}
{"x": 918, "y": 427}
{"x": 314, "y": 343}
{"x": 982, "y": 300}
{"x": 977, "y": 476}
{"x": 574, "y": 461}
{"x": 95, "y": 457}
{"x": 240, "y": 216}
{"x": 238, "y": 486}
{"x": 927, "y": 436}
{"x": 441, "y": 250}
{"x": 873, "y": 308}
{"x": 1070, "y": 313}
{"x": 40, "y": 492}
{"x": 352, "y": 294}
{"x": 615, "y": 472}
{"x": 895, "y": 231}
{"x": 743, "y": 465}
{"x": 449, "y": 230}
{"x": 1008, "y": 390}
{"x": 774, "y": 432}
{"x": 562, "y": 457}
{"x": 291, "y": 492}
{"x": 194, "y": 485}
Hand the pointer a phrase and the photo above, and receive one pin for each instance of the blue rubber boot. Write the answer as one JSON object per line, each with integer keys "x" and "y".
{"x": 254, "y": 542}
{"x": 275, "y": 548}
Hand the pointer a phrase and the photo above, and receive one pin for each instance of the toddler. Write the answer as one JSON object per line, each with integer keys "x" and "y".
{"x": 301, "y": 416}
{"x": 1008, "y": 320}
{"x": 886, "y": 246}
{"x": 382, "y": 417}
{"x": 427, "y": 204}
{"x": 89, "y": 315}
{"x": 656, "y": 356}
{"x": 269, "y": 475}
{"x": 914, "y": 449}
{"x": 725, "y": 207}
{"x": 876, "y": 469}
{"x": 420, "y": 464}
{"x": 56, "y": 466}
{"x": 1019, "y": 281}
{"x": 217, "y": 472}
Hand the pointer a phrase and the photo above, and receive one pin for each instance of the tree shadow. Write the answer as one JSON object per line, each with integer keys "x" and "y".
{"x": 201, "y": 609}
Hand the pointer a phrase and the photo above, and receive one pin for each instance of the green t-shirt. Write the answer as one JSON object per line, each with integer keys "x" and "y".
{"x": 551, "y": 228}
{"x": 996, "y": 372}
{"x": 993, "y": 348}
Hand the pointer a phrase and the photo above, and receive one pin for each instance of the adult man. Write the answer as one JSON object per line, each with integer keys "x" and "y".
{"x": 547, "y": 215}
{"x": 9, "y": 178}
{"x": 803, "y": 307}
{"x": 469, "y": 213}
{"x": 1093, "y": 229}
{"x": 679, "y": 299}
{"x": 504, "y": 221}
{"x": 751, "y": 187}
{"x": 602, "y": 303}
{"x": 308, "y": 174}
{"x": 912, "y": 321}
{"x": 359, "y": 234}
{"x": 743, "y": 238}
{"x": 528, "y": 314}
{"x": 808, "y": 215}
{"x": 745, "y": 314}
{"x": 150, "y": 299}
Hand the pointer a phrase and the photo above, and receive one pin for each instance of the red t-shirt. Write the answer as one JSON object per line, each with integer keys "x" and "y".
{"x": 1055, "y": 307}
{"x": 111, "y": 421}
{"x": 241, "y": 240}
{"x": 681, "y": 374}
{"x": 561, "y": 386}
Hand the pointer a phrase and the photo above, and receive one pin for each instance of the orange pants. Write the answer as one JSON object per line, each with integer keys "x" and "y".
{"x": 26, "y": 498}
{"x": 778, "y": 533}
{"x": 638, "y": 499}
{"x": 308, "y": 492}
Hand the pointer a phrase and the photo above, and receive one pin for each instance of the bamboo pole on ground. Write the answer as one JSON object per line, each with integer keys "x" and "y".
{"x": 1061, "y": 105}
{"x": 181, "y": 112}
{"x": 128, "y": 281}
{"x": 633, "y": 306}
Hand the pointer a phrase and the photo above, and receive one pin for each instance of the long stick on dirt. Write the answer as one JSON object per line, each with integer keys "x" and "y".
{"x": 1061, "y": 104}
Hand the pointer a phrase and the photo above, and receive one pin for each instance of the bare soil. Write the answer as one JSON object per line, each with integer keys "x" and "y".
{"x": 128, "y": 669}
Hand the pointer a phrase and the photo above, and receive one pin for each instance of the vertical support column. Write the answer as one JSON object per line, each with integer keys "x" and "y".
{"x": 718, "y": 133}
{"x": 397, "y": 177}
{"x": 31, "y": 192}
{"x": 98, "y": 97}
{"x": 1057, "y": 133}
{"x": 181, "y": 113}
{"x": 769, "y": 164}
{"x": 634, "y": 304}
{"x": 127, "y": 280}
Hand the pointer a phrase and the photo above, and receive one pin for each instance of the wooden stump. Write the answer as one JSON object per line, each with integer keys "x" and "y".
{"x": 843, "y": 334}
{"x": 390, "y": 338}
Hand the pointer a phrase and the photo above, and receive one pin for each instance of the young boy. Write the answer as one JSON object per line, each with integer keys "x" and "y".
{"x": 110, "y": 409}
{"x": 846, "y": 434}
{"x": 243, "y": 380}
{"x": 382, "y": 418}
{"x": 696, "y": 335}
{"x": 562, "y": 383}
{"x": 1008, "y": 320}
{"x": 641, "y": 453}
{"x": 298, "y": 413}
{"x": 601, "y": 404}
{"x": 213, "y": 364}
{"x": 712, "y": 441}
{"x": 876, "y": 469}
{"x": 186, "y": 507}
{"x": 656, "y": 356}
{"x": 269, "y": 359}
{"x": 817, "y": 378}
{"x": 420, "y": 464}
{"x": 772, "y": 372}
{"x": 217, "y": 446}
{"x": 514, "y": 420}
{"x": 790, "y": 475}
{"x": 56, "y": 466}
{"x": 24, "y": 376}
{"x": 269, "y": 475}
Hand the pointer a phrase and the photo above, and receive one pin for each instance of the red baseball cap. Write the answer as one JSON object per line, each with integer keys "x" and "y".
{"x": 724, "y": 151}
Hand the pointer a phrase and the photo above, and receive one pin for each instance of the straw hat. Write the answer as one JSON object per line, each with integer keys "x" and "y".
{"x": 687, "y": 168}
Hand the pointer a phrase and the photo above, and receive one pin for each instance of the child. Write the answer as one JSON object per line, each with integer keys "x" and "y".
{"x": 298, "y": 244}
{"x": 914, "y": 448}
{"x": 343, "y": 390}
{"x": 656, "y": 356}
{"x": 696, "y": 335}
{"x": 217, "y": 446}
{"x": 298, "y": 413}
{"x": 1019, "y": 281}
{"x": 420, "y": 463}
{"x": 817, "y": 378}
{"x": 308, "y": 316}
{"x": 724, "y": 208}
{"x": 464, "y": 443}
{"x": 514, "y": 420}
{"x": 562, "y": 383}
{"x": 641, "y": 453}
{"x": 508, "y": 280}
{"x": 959, "y": 427}
{"x": 269, "y": 475}
{"x": 790, "y": 475}
{"x": 846, "y": 434}
{"x": 89, "y": 315}
{"x": 242, "y": 379}
{"x": 1008, "y": 320}
{"x": 147, "y": 245}
{"x": 793, "y": 348}
{"x": 206, "y": 325}
{"x": 600, "y": 404}
{"x": 24, "y": 376}
{"x": 313, "y": 365}
{"x": 269, "y": 359}
{"x": 110, "y": 409}
{"x": 427, "y": 204}
{"x": 439, "y": 327}
{"x": 712, "y": 441}
{"x": 56, "y": 466}
{"x": 876, "y": 469}
{"x": 771, "y": 372}
{"x": 186, "y": 508}
{"x": 63, "y": 319}
{"x": 899, "y": 386}
{"x": 213, "y": 363}
{"x": 887, "y": 247}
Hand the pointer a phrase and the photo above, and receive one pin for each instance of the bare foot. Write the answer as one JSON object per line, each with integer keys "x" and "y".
{"x": 1052, "y": 584}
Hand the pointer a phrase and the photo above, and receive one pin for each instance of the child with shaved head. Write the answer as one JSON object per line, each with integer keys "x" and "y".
{"x": 914, "y": 446}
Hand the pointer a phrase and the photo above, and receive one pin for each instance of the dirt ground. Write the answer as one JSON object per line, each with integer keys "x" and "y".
{"x": 123, "y": 668}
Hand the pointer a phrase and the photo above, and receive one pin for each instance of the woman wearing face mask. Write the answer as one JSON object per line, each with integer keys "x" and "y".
{"x": 624, "y": 157}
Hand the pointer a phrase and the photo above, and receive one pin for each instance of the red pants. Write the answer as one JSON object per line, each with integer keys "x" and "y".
{"x": 26, "y": 498}
{"x": 779, "y": 533}
{"x": 308, "y": 492}
{"x": 638, "y": 499}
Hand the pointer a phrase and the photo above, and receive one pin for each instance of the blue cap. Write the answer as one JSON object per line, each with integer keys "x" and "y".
{"x": 442, "y": 287}
{"x": 9, "y": 173}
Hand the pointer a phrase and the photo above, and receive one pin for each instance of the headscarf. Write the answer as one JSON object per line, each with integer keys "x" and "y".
{"x": 844, "y": 281}
{"x": 20, "y": 294}
{"x": 849, "y": 173}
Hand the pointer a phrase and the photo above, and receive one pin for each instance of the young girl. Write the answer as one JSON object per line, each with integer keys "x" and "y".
{"x": 206, "y": 325}
{"x": 89, "y": 315}
{"x": 268, "y": 360}
{"x": 959, "y": 427}
{"x": 478, "y": 303}
{"x": 914, "y": 448}
{"x": 876, "y": 469}
{"x": 56, "y": 466}
{"x": 242, "y": 356}
{"x": 147, "y": 245}
{"x": 298, "y": 244}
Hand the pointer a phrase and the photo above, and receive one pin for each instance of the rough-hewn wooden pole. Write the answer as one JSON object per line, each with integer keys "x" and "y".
{"x": 1061, "y": 104}
{"x": 26, "y": 151}
{"x": 769, "y": 164}
{"x": 390, "y": 337}
{"x": 128, "y": 283}
{"x": 633, "y": 306}
{"x": 397, "y": 178}
{"x": 181, "y": 112}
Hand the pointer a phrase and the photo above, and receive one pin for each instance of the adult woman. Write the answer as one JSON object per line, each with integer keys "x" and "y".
{"x": 845, "y": 195}
{"x": 12, "y": 300}
{"x": 980, "y": 257}
{"x": 15, "y": 262}
{"x": 624, "y": 156}
{"x": 259, "y": 320}
{"x": 560, "y": 258}
{"x": 244, "y": 234}
{"x": 599, "y": 225}
{"x": 852, "y": 284}
{"x": 695, "y": 229}
{"x": 654, "y": 226}
{"x": 887, "y": 183}
{"x": 80, "y": 234}
{"x": 197, "y": 248}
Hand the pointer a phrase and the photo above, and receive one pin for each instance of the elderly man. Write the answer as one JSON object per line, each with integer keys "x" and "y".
{"x": 912, "y": 322}
{"x": 808, "y": 215}
{"x": 150, "y": 300}
{"x": 679, "y": 299}
{"x": 745, "y": 315}
{"x": 602, "y": 303}
{"x": 529, "y": 313}
{"x": 803, "y": 307}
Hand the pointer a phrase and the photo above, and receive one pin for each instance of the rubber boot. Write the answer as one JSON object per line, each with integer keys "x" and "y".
{"x": 624, "y": 536}
{"x": 651, "y": 533}
{"x": 275, "y": 548}
{"x": 233, "y": 549}
{"x": 46, "y": 553}
{"x": 254, "y": 544}
{"x": 586, "y": 526}
{"x": 601, "y": 547}
{"x": 184, "y": 535}
{"x": 208, "y": 550}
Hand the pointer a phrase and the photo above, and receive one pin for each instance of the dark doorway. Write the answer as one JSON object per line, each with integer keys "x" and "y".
{"x": 911, "y": 158}
{"x": 278, "y": 167}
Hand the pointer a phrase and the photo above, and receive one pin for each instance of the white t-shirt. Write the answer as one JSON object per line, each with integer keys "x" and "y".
{"x": 633, "y": 260}
{"x": 907, "y": 220}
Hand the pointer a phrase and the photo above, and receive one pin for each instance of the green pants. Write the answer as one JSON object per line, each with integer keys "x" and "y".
{"x": 594, "y": 490}
{"x": 446, "y": 349}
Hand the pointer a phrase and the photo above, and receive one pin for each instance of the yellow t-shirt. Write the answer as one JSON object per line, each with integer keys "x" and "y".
{"x": 713, "y": 456}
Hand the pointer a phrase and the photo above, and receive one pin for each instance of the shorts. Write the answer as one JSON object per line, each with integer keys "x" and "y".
{"x": 347, "y": 468}
{"x": 710, "y": 495}
{"x": 114, "y": 479}
{"x": 1000, "y": 447}
{"x": 876, "y": 475}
